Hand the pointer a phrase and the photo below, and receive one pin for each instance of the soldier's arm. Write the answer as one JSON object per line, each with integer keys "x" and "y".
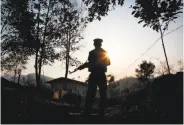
{"x": 83, "y": 66}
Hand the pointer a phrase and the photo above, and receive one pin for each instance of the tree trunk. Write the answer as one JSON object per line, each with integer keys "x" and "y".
{"x": 37, "y": 47}
{"x": 39, "y": 71}
{"x": 19, "y": 78}
{"x": 67, "y": 53}
{"x": 66, "y": 72}
{"x": 14, "y": 76}
{"x": 36, "y": 70}
{"x": 67, "y": 66}
{"x": 15, "y": 73}
{"x": 164, "y": 49}
{"x": 40, "y": 64}
{"x": 67, "y": 58}
{"x": 43, "y": 45}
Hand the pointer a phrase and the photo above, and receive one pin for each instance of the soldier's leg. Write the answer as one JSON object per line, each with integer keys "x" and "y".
{"x": 103, "y": 95}
{"x": 91, "y": 93}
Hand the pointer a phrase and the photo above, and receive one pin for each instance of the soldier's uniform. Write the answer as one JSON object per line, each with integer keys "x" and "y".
{"x": 98, "y": 62}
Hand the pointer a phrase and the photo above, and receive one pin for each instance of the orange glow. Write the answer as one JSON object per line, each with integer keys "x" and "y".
{"x": 56, "y": 95}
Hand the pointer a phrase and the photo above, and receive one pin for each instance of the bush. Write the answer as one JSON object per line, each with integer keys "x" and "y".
{"x": 72, "y": 98}
{"x": 160, "y": 102}
{"x": 113, "y": 101}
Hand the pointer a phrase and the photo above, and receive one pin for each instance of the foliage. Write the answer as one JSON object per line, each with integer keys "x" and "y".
{"x": 162, "y": 69}
{"x": 112, "y": 88}
{"x": 155, "y": 13}
{"x": 145, "y": 71}
{"x": 36, "y": 27}
{"x": 72, "y": 98}
{"x": 13, "y": 62}
{"x": 180, "y": 65}
{"x": 97, "y": 9}
{"x": 147, "y": 10}
{"x": 15, "y": 24}
{"x": 73, "y": 23}
{"x": 159, "y": 103}
{"x": 110, "y": 78}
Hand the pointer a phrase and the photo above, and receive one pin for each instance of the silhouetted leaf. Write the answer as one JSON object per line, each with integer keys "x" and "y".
{"x": 175, "y": 17}
{"x": 140, "y": 21}
{"x": 151, "y": 11}
{"x": 133, "y": 12}
{"x": 137, "y": 15}
{"x": 100, "y": 8}
{"x": 135, "y": 7}
{"x": 144, "y": 25}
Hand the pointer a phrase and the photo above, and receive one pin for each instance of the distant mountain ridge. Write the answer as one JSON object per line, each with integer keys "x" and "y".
{"x": 30, "y": 78}
{"x": 128, "y": 82}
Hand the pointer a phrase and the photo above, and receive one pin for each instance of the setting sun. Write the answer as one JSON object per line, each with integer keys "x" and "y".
{"x": 112, "y": 54}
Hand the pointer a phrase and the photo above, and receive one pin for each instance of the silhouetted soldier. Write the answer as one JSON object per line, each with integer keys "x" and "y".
{"x": 97, "y": 65}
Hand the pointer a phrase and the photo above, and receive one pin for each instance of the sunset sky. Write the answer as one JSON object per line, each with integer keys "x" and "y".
{"x": 125, "y": 40}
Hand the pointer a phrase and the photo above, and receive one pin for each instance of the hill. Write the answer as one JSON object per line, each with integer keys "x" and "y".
{"x": 30, "y": 77}
{"x": 128, "y": 82}
{"x": 30, "y": 80}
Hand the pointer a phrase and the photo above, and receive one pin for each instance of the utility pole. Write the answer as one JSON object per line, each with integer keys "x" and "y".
{"x": 164, "y": 48}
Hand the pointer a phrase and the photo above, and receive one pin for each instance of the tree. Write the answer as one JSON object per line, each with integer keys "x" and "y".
{"x": 18, "y": 36}
{"x": 73, "y": 23}
{"x": 13, "y": 62}
{"x": 180, "y": 65}
{"x": 99, "y": 8}
{"x": 19, "y": 72}
{"x": 162, "y": 69}
{"x": 14, "y": 19}
{"x": 113, "y": 89}
{"x": 157, "y": 14}
{"x": 145, "y": 71}
{"x": 23, "y": 80}
{"x": 110, "y": 78}
{"x": 35, "y": 28}
{"x": 44, "y": 52}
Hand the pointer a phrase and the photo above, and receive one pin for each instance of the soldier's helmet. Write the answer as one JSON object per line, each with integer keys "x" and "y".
{"x": 98, "y": 40}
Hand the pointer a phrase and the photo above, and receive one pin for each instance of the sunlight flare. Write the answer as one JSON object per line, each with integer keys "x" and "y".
{"x": 112, "y": 54}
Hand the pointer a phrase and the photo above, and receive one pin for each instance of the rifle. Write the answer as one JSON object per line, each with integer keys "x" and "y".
{"x": 85, "y": 65}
